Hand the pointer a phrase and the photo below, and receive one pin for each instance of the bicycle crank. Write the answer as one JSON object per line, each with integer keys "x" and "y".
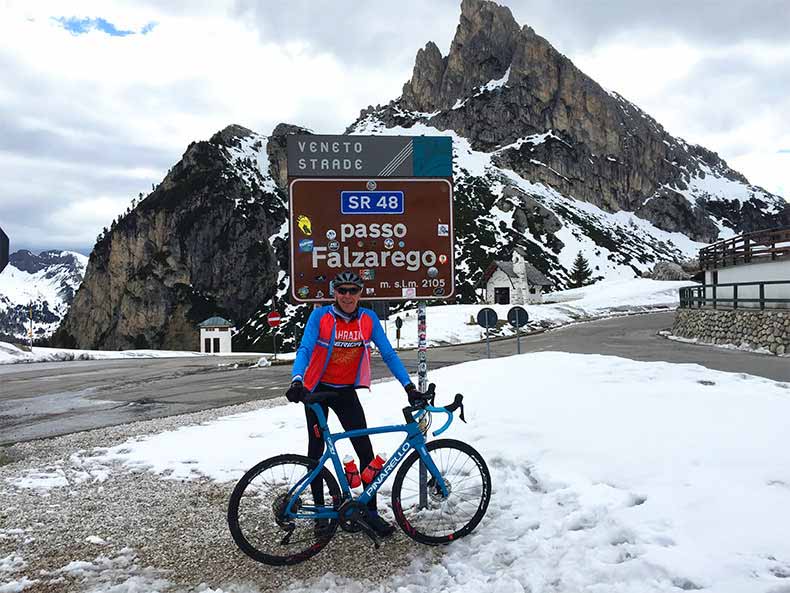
{"x": 352, "y": 517}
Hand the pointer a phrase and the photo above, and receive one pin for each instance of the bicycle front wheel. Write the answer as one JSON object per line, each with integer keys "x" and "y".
{"x": 442, "y": 519}
{"x": 257, "y": 513}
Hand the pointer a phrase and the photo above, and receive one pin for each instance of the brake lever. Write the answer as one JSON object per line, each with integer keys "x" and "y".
{"x": 457, "y": 403}
{"x": 431, "y": 393}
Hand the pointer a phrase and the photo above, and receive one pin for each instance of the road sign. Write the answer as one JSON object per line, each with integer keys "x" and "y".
{"x": 398, "y": 322}
{"x": 518, "y": 316}
{"x": 273, "y": 319}
{"x": 3, "y": 250}
{"x": 369, "y": 156}
{"x": 399, "y": 240}
{"x": 487, "y": 317}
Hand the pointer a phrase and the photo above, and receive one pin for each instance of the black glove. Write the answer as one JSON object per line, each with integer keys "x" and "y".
{"x": 415, "y": 396}
{"x": 296, "y": 392}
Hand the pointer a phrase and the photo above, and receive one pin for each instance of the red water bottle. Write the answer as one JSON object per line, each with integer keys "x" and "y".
{"x": 352, "y": 473}
{"x": 374, "y": 467}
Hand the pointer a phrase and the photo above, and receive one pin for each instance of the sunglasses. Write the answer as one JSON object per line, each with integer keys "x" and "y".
{"x": 350, "y": 290}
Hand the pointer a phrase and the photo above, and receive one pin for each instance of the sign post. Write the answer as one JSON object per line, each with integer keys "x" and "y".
{"x": 273, "y": 319}
{"x": 487, "y": 318}
{"x": 518, "y": 317}
{"x": 398, "y": 325}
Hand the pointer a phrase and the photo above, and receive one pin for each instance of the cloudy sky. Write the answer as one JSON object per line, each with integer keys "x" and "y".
{"x": 98, "y": 98}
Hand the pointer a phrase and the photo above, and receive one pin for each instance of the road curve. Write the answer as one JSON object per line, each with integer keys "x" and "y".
{"x": 48, "y": 399}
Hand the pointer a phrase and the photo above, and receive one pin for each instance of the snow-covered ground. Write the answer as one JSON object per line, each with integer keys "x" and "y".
{"x": 452, "y": 324}
{"x": 608, "y": 475}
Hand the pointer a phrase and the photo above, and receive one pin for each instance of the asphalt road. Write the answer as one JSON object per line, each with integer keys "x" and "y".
{"x": 49, "y": 399}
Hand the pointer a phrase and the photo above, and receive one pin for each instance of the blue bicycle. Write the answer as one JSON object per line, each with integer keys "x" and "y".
{"x": 287, "y": 508}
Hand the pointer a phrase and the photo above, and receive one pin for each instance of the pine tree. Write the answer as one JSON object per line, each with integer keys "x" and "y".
{"x": 581, "y": 273}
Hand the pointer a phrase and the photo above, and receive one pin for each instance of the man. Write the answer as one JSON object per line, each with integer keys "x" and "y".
{"x": 334, "y": 355}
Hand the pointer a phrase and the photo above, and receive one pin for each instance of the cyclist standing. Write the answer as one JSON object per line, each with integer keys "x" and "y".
{"x": 334, "y": 356}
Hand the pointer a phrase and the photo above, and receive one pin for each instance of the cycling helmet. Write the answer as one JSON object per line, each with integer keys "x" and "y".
{"x": 347, "y": 278}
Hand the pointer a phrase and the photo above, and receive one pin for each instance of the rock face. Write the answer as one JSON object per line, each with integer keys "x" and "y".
{"x": 198, "y": 245}
{"x": 504, "y": 88}
{"x": 668, "y": 270}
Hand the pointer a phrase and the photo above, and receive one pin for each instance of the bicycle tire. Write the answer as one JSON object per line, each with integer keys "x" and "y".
{"x": 268, "y": 524}
{"x": 415, "y": 522}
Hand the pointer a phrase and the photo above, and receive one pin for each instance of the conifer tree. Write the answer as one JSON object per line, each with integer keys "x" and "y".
{"x": 581, "y": 273}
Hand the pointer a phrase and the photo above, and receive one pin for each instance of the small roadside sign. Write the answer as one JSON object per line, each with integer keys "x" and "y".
{"x": 398, "y": 322}
{"x": 487, "y": 317}
{"x": 518, "y": 316}
{"x": 273, "y": 319}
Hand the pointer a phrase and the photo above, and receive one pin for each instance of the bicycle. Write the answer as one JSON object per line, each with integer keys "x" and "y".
{"x": 284, "y": 518}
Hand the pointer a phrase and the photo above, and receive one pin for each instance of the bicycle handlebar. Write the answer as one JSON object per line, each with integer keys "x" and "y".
{"x": 424, "y": 406}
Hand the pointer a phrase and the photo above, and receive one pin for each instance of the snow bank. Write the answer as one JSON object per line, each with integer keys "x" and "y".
{"x": 608, "y": 474}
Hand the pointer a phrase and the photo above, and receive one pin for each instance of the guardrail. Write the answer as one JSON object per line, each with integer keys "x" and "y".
{"x": 749, "y": 247}
{"x": 734, "y": 295}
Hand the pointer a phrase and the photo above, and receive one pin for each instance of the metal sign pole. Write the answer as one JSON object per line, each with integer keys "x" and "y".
{"x": 518, "y": 340}
{"x": 274, "y": 337}
{"x": 422, "y": 374}
{"x": 488, "y": 344}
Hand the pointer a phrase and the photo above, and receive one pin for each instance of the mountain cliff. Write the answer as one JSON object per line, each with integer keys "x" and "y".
{"x": 546, "y": 162}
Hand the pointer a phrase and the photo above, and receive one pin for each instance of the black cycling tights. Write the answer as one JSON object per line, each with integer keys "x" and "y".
{"x": 346, "y": 406}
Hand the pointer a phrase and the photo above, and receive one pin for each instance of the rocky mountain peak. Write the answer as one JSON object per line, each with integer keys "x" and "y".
{"x": 231, "y": 135}
{"x": 31, "y": 263}
{"x": 277, "y": 150}
{"x": 482, "y": 50}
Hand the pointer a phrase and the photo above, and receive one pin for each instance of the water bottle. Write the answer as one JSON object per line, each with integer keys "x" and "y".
{"x": 374, "y": 467}
{"x": 352, "y": 473}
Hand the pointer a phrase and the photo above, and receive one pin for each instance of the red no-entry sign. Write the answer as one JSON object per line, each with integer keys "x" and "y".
{"x": 273, "y": 319}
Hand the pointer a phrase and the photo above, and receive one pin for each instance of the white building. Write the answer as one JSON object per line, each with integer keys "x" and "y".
{"x": 216, "y": 335}
{"x": 515, "y": 282}
{"x": 748, "y": 271}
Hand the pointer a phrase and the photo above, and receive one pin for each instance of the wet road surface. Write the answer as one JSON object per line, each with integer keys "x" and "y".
{"x": 48, "y": 399}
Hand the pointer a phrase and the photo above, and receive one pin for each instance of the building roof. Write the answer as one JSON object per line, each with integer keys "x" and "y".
{"x": 534, "y": 276}
{"x": 216, "y": 322}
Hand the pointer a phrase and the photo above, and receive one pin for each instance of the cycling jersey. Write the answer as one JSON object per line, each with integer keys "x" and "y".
{"x": 326, "y": 333}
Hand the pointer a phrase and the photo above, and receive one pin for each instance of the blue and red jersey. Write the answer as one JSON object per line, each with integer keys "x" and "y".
{"x": 336, "y": 351}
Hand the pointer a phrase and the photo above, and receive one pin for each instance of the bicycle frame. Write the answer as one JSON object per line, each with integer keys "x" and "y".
{"x": 414, "y": 441}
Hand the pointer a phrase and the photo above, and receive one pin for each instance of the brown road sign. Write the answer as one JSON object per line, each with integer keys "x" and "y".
{"x": 397, "y": 234}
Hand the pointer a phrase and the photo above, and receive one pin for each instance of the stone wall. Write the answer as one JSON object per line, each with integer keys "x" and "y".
{"x": 756, "y": 329}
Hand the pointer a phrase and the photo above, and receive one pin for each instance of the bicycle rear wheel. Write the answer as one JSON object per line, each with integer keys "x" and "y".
{"x": 443, "y": 519}
{"x": 258, "y": 503}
